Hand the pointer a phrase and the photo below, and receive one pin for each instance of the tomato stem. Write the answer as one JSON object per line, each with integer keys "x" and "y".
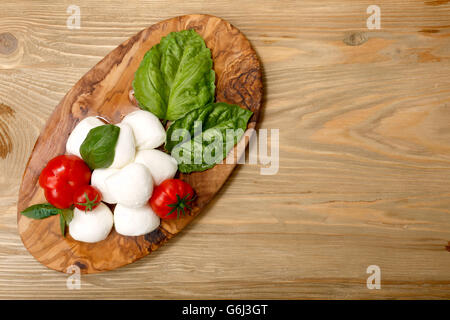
{"x": 89, "y": 204}
{"x": 181, "y": 205}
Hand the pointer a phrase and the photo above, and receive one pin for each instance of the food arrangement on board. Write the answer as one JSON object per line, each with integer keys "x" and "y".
{"x": 122, "y": 175}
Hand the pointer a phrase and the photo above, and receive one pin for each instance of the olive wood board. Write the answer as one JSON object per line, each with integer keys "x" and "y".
{"x": 105, "y": 91}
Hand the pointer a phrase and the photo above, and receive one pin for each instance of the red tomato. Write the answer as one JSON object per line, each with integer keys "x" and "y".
{"x": 87, "y": 198}
{"x": 68, "y": 168}
{"x": 171, "y": 198}
{"x": 60, "y": 195}
{"x": 61, "y": 177}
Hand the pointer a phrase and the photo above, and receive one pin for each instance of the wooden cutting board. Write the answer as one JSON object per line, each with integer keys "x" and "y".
{"x": 105, "y": 91}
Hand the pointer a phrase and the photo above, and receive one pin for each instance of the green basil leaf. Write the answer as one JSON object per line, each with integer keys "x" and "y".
{"x": 41, "y": 211}
{"x": 68, "y": 215}
{"x": 98, "y": 149}
{"x": 204, "y": 136}
{"x": 62, "y": 225}
{"x": 175, "y": 76}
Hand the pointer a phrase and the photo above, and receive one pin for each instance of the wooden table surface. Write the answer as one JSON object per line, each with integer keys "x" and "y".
{"x": 364, "y": 120}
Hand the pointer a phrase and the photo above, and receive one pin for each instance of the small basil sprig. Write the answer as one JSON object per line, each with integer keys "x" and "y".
{"x": 62, "y": 225}
{"x": 98, "y": 149}
{"x": 65, "y": 217}
{"x": 45, "y": 210}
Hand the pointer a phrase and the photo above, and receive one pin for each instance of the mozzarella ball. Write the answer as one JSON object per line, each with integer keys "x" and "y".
{"x": 161, "y": 165}
{"x": 79, "y": 133}
{"x": 125, "y": 147}
{"x": 98, "y": 180}
{"x": 135, "y": 221}
{"x": 91, "y": 226}
{"x": 148, "y": 130}
{"x": 132, "y": 186}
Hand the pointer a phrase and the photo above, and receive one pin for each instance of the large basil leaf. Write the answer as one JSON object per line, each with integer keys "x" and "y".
{"x": 175, "y": 76}
{"x": 204, "y": 136}
{"x": 98, "y": 149}
{"x": 41, "y": 211}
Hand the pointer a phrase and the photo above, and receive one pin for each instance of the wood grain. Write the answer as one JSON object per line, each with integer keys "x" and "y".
{"x": 105, "y": 91}
{"x": 374, "y": 192}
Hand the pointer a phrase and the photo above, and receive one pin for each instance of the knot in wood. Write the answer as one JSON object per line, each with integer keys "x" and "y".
{"x": 8, "y": 43}
{"x": 355, "y": 38}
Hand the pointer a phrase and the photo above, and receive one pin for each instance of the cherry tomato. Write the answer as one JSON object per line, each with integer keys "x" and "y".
{"x": 61, "y": 177}
{"x": 172, "y": 198}
{"x": 87, "y": 198}
{"x": 60, "y": 195}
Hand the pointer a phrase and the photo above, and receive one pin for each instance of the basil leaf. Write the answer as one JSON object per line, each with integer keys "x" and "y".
{"x": 62, "y": 225}
{"x": 68, "y": 215}
{"x": 175, "y": 76}
{"x": 204, "y": 136}
{"x": 98, "y": 149}
{"x": 40, "y": 211}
